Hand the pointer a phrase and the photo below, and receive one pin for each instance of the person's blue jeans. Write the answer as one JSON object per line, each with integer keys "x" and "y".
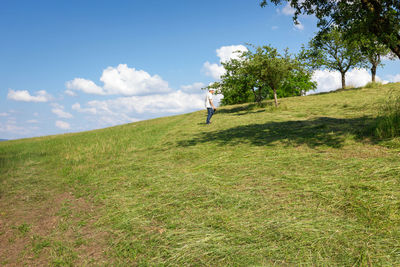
{"x": 210, "y": 112}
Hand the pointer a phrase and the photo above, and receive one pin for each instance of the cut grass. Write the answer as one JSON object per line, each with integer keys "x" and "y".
{"x": 304, "y": 184}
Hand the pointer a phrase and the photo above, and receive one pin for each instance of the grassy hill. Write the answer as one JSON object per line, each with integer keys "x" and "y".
{"x": 305, "y": 184}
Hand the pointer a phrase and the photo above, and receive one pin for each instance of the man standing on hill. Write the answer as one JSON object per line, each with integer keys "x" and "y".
{"x": 210, "y": 105}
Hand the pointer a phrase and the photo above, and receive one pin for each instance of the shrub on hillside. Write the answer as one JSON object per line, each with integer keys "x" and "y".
{"x": 373, "y": 84}
{"x": 388, "y": 122}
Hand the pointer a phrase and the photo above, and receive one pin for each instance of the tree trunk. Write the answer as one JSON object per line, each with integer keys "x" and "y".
{"x": 259, "y": 96}
{"x": 275, "y": 98}
{"x": 255, "y": 95}
{"x": 343, "y": 79}
{"x": 373, "y": 73}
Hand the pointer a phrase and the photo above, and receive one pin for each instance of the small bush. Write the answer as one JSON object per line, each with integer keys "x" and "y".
{"x": 388, "y": 122}
{"x": 373, "y": 84}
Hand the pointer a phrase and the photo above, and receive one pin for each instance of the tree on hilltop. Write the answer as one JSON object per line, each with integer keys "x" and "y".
{"x": 237, "y": 83}
{"x": 332, "y": 51}
{"x": 262, "y": 74}
{"x": 271, "y": 68}
{"x": 374, "y": 52}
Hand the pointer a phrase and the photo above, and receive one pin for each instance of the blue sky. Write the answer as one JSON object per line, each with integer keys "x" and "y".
{"x": 69, "y": 66}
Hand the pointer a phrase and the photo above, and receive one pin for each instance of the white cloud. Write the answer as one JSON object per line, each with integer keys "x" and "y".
{"x": 4, "y": 114}
{"x": 127, "y": 109}
{"x": 326, "y": 80}
{"x": 100, "y": 112}
{"x": 78, "y": 108}
{"x": 32, "y": 121}
{"x": 226, "y": 53}
{"x": 217, "y": 99}
{"x": 213, "y": 70}
{"x": 299, "y": 26}
{"x": 85, "y": 86}
{"x": 56, "y": 105}
{"x": 360, "y": 77}
{"x": 274, "y": 28}
{"x": 70, "y": 92}
{"x": 12, "y": 129}
{"x": 332, "y": 80}
{"x": 193, "y": 88}
{"x": 288, "y": 10}
{"x": 59, "y": 111}
{"x": 121, "y": 80}
{"x": 24, "y": 95}
{"x": 63, "y": 125}
{"x": 394, "y": 78}
{"x": 175, "y": 102}
{"x": 129, "y": 81}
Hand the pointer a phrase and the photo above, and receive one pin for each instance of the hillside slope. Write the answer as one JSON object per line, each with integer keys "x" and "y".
{"x": 303, "y": 184}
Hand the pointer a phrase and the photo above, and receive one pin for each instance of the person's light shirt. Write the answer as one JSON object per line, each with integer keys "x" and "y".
{"x": 207, "y": 100}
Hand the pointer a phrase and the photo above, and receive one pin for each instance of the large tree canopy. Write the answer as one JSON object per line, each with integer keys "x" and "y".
{"x": 261, "y": 74}
{"x": 379, "y": 19}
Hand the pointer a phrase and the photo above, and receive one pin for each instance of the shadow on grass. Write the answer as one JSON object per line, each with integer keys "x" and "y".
{"x": 250, "y": 112}
{"x": 340, "y": 90}
{"x": 322, "y": 131}
{"x": 249, "y": 107}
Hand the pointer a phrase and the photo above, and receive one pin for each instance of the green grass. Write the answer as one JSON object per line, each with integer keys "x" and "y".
{"x": 305, "y": 184}
{"x": 388, "y": 123}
